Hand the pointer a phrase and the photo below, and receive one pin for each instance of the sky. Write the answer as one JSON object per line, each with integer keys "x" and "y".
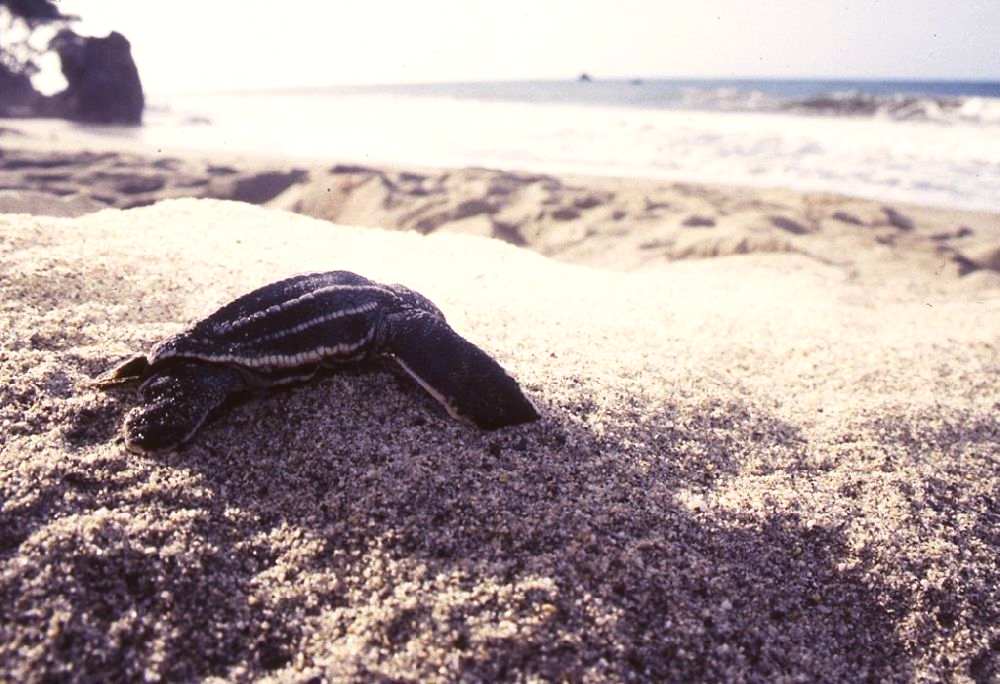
{"x": 209, "y": 45}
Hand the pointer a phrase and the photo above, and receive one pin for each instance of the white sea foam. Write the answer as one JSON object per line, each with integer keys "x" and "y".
{"x": 919, "y": 161}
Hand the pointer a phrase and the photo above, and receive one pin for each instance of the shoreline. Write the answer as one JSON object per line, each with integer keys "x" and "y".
{"x": 912, "y": 162}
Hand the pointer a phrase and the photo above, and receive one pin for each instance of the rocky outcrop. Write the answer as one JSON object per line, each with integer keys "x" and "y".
{"x": 104, "y": 84}
{"x": 17, "y": 96}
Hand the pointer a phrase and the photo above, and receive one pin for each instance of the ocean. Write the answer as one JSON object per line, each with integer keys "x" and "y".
{"x": 932, "y": 143}
{"x": 925, "y": 100}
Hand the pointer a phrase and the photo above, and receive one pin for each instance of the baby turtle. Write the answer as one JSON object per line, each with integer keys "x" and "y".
{"x": 286, "y": 332}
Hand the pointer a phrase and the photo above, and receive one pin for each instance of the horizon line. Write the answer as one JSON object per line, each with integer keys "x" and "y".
{"x": 576, "y": 78}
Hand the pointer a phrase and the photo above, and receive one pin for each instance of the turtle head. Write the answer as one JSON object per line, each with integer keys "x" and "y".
{"x": 156, "y": 427}
{"x": 176, "y": 401}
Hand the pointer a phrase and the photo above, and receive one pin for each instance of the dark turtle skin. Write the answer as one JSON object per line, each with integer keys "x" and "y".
{"x": 288, "y": 331}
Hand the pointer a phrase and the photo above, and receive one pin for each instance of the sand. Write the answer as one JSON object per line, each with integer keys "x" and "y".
{"x": 611, "y": 223}
{"x": 779, "y": 465}
{"x": 632, "y": 223}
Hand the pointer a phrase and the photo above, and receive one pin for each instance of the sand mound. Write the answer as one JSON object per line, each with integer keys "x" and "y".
{"x": 631, "y": 223}
{"x": 748, "y": 468}
{"x": 616, "y": 223}
{"x": 45, "y": 204}
{"x": 78, "y": 182}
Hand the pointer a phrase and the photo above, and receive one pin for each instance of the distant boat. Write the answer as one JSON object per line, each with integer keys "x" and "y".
{"x": 584, "y": 78}
{"x": 636, "y": 81}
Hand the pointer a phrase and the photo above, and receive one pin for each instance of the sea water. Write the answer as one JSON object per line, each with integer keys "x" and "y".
{"x": 934, "y": 143}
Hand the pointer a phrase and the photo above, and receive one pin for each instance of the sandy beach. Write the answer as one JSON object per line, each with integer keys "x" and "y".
{"x": 605, "y": 222}
{"x": 768, "y": 449}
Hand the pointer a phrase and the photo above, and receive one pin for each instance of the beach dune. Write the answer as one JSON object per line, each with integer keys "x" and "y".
{"x": 612, "y": 223}
{"x": 754, "y": 466}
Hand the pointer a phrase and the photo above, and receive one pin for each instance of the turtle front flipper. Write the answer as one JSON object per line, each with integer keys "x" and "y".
{"x": 176, "y": 402}
{"x": 461, "y": 376}
{"x": 128, "y": 371}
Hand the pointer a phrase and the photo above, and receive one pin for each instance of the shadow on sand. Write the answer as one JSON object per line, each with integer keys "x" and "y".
{"x": 358, "y": 529}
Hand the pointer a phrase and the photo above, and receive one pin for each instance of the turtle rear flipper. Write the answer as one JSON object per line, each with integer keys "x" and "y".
{"x": 132, "y": 370}
{"x": 176, "y": 403}
{"x": 462, "y": 377}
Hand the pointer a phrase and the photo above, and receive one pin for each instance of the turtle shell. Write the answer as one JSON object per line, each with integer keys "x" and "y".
{"x": 289, "y": 325}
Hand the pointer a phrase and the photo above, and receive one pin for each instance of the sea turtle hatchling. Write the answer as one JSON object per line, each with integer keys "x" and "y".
{"x": 286, "y": 332}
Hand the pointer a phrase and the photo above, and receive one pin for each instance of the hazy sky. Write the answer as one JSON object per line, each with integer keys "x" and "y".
{"x": 194, "y": 45}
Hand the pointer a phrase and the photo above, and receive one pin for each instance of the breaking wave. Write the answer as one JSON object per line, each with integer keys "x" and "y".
{"x": 901, "y": 107}
{"x": 850, "y": 103}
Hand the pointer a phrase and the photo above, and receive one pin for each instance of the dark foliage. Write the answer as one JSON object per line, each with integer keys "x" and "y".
{"x": 35, "y": 11}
